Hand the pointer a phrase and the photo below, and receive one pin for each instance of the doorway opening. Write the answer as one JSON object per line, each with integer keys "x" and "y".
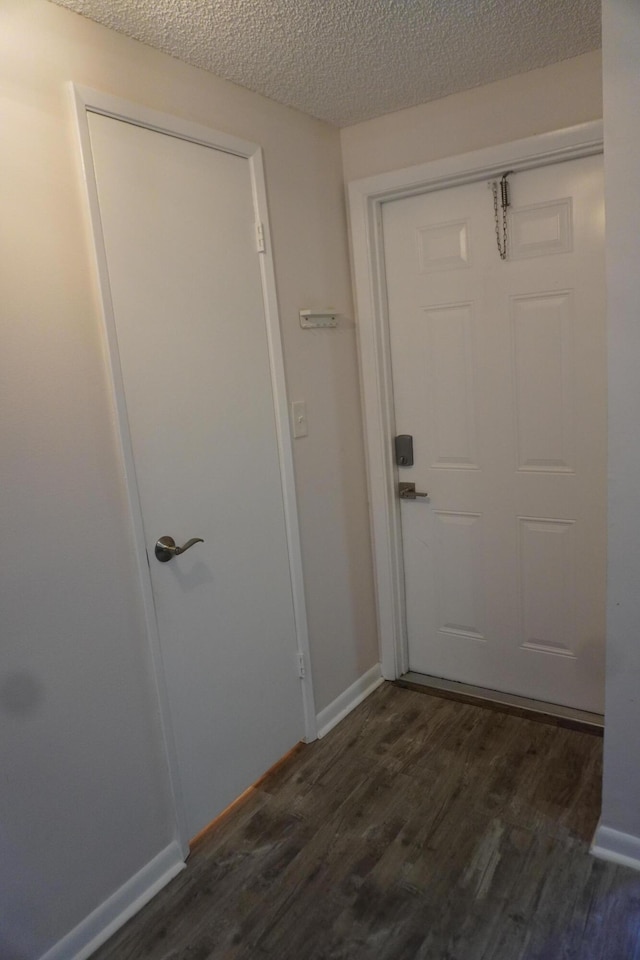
{"x": 450, "y": 529}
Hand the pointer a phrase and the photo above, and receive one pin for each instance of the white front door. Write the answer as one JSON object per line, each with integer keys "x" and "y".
{"x": 178, "y": 223}
{"x": 499, "y": 376}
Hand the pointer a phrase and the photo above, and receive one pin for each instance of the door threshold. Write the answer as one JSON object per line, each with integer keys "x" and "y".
{"x": 538, "y": 710}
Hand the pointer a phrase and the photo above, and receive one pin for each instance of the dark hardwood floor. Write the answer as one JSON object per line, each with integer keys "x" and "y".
{"x": 419, "y": 828}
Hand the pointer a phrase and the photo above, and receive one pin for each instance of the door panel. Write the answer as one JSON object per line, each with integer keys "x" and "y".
{"x": 178, "y": 224}
{"x": 499, "y": 373}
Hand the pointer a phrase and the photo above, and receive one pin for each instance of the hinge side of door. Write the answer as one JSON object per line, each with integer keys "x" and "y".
{"x": 260, "y": 237}
{"x": 302, "y": 670}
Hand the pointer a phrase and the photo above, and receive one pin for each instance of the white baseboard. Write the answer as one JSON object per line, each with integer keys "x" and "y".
{"x": 95, "y": 929}
{"x": 348, "y": 700}
{"x": 622, "y": 848}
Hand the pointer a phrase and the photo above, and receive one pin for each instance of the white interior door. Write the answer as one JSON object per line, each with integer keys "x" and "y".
{"x": 178, "y": 223}
{"x": 499, "y": 374}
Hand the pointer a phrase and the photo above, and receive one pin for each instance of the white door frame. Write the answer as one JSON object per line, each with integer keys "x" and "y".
{"x": 87, "y": 101}
{"x": 365, "y": 208}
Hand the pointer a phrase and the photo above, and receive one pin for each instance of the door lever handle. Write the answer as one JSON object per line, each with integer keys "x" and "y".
{"x": 408, "y": 491}
{"x": 166, "y": 548}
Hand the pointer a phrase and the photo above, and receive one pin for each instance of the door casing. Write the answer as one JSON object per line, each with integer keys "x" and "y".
{"x": 366, "y": 197}
{"x": 86, "y": 101}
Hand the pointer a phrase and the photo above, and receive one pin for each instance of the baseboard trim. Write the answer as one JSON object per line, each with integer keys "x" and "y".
{"x": 617, "y": 847}
{"x": 95, "y": 929}
{"x": 348, "y": 700}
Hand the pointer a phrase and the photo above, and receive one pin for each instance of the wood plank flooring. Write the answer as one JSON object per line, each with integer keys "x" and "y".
{"x": 418, "y": 829}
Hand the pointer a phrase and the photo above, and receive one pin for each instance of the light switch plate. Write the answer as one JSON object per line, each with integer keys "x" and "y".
{"x": 299, "y": 419}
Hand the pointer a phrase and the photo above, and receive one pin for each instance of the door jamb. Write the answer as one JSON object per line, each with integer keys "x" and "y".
{"x": 86, "y": 100}
{"x": 366, "y": 197}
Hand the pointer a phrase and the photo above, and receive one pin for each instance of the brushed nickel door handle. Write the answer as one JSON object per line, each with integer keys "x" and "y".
{"x": 166, "y": 548}
{"x": 408, "y": 491}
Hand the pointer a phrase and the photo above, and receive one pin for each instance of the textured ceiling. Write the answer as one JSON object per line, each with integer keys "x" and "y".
{"x": 348, "y": 60}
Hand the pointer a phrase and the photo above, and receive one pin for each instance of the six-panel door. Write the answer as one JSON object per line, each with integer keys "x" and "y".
{"x": 499, "y": 374}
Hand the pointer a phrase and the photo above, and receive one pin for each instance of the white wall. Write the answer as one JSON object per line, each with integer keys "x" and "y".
{"x": 561, "y": 95}
{"x": 84, "y": 798}
{"x": 621, "y": 70}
